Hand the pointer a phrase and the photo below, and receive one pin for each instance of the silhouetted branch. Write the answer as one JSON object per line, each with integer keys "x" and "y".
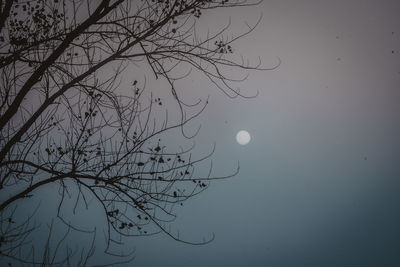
{"x": 69, "y": 121}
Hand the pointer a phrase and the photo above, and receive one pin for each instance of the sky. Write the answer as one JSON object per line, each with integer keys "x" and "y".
{"x": 319, "y": 181}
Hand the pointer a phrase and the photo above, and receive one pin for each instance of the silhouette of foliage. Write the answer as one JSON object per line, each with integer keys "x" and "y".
{"x": 65, "y": 121}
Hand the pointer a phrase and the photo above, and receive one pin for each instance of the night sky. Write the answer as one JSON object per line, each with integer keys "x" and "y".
{"x": 319, "y": 181}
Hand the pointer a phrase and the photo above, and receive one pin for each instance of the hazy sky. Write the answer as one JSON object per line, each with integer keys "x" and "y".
{"x": 319, "y": 182}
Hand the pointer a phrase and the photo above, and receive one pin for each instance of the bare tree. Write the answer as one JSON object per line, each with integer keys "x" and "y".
{"x": 67, "y": 120}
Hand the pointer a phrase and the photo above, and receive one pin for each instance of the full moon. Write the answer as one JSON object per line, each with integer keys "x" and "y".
{"x": 243, "y": 137}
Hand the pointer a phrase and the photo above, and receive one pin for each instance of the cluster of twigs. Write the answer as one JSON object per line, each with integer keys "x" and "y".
{"x": 64, "y": 121}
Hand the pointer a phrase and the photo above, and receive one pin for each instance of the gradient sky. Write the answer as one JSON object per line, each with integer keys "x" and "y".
{"x": 319, "y": 183}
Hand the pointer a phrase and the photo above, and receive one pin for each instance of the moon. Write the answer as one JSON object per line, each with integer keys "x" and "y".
{"x": 243, "y": 137}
